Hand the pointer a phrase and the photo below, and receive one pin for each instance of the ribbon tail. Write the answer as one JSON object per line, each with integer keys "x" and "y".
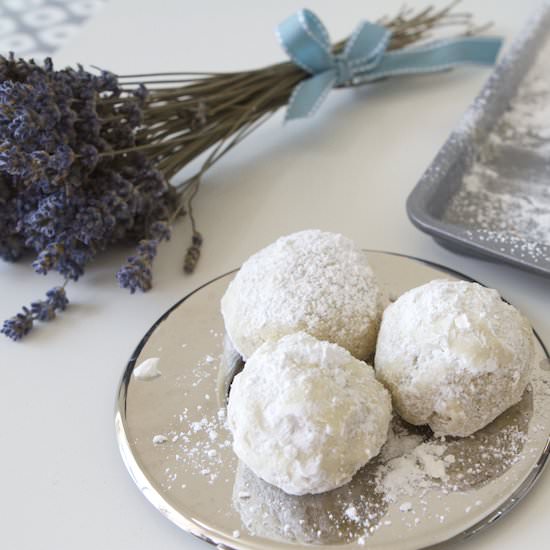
{"x": 435, "y": 57}
{"x": 309, "y": 94}
{"x": 367, "y": 43}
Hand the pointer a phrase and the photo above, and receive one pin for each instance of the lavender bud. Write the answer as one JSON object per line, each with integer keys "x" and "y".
{"x": 193, "y": 253}
{"x": 19, "y": 325}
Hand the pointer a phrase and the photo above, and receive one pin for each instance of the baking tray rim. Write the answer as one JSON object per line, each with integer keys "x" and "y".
{"x": 450, "y": 235}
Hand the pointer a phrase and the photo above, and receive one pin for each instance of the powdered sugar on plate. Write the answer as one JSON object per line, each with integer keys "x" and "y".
{"x": 406, "y": 475}
{"x": 148, "y": 369}
{"x": 399, "y": 487}
{"x": 195, "y": 443}
{"x": 179, "y": 451}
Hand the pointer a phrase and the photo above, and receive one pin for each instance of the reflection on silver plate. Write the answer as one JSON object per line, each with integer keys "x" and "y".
{"x": 177, "y": 449}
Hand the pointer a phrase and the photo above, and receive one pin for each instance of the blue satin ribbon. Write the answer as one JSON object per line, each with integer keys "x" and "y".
{"x": 364, "y": 58}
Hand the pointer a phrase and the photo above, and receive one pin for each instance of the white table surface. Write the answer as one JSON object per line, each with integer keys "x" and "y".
{"x": 349, "y": 169}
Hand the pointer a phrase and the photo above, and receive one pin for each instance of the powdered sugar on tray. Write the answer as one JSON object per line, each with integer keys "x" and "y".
{"x": 527, "y": 122}
{"x": 504, "y": 200}
{"x": 518, "y": 247}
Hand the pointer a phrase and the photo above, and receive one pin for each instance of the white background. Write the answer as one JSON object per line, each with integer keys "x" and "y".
{"x": 349, "y": 169}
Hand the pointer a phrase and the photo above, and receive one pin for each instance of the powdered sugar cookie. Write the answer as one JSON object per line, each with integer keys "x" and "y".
{"x": 306, "y": 415}
{"x": 311, "y": 281}
{"x": 454, "y": 356}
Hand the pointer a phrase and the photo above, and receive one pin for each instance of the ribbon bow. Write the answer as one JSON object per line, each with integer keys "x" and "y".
{"x": 364, "y": 57}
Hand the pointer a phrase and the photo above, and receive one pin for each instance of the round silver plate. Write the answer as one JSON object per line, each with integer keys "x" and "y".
{"x": 177, "y": 449}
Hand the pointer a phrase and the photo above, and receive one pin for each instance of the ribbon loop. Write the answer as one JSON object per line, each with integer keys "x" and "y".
{"x": 306, "y": 41}
{"x": 364, "y": 57}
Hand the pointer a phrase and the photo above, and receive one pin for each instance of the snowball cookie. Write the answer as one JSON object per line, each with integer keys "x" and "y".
{"x": 306, "y": 415}
{"x": 454, "y": 356}
{"x": 310, "y": 281}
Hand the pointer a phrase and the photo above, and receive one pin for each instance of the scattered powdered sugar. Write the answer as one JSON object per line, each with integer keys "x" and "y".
{"x": 527, "y": 122}
{"x": 196, "y": 440}
{"x": 512, "y": 212}
{"x": 148, "y": 369}
{"x": 504, "y": 200}
{"x": 346, "y": 514}
{"x": 406, "y": 507}
{"x": 351, "y": 513}
{"x": 412, "y": 472}
{"x": 401, "y": 440}
{"x": 513, "y": 245}
{"x": 197, "y": 444}
{"x": 413, "y": 462}
{"x": 202, "y": 374}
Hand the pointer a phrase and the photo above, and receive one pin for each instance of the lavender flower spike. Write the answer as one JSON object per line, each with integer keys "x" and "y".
{"x": 19, "y": 325}
{"x": 41, "y": 310}
{"x": 57, "y": 298}
{"x": 137, "y": 273}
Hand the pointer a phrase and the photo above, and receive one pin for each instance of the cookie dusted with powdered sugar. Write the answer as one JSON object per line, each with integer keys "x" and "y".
{"x": 306, "y": 415}
{"x": 310, "y": 281}
{"x": 454, "y": 356}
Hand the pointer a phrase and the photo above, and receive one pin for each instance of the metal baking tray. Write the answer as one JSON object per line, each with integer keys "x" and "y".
{"x": 430, "y": 205}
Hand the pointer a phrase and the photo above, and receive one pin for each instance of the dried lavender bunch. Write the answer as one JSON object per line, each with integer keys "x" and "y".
{"x": 72, "y": 178}
{"x": 86, "y": 159}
